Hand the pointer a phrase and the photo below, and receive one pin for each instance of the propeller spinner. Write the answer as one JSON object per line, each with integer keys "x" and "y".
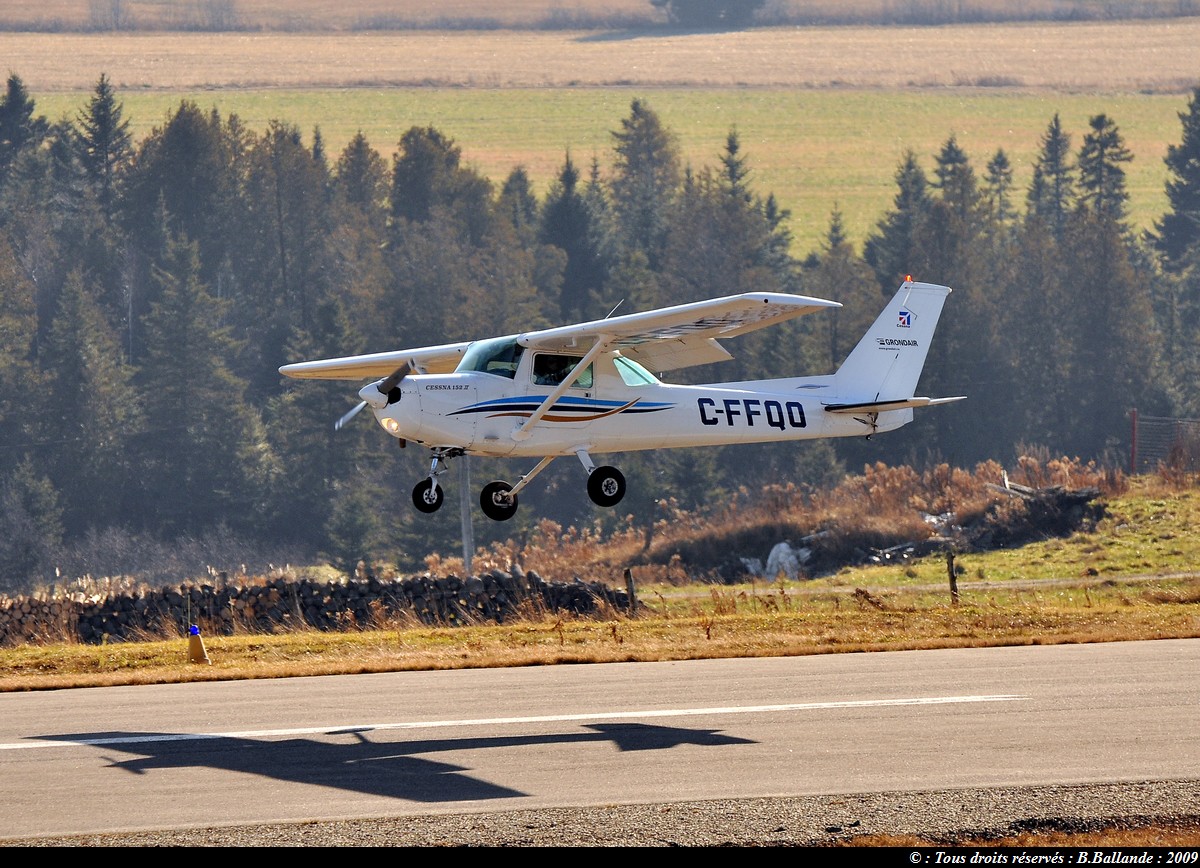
{"x": 376, "y": 394}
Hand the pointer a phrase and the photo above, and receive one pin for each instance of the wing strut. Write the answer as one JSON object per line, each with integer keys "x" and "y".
{"x": 528, "y": 477}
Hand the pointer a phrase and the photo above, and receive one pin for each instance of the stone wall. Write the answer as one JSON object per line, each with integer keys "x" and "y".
{"x": 285, "y": 603}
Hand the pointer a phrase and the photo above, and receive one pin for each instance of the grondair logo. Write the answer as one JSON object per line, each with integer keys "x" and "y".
{"x": 896, "y": 342}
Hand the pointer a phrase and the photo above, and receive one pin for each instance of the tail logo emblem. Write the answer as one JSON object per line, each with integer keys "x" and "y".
{"x": 905, "y": 321}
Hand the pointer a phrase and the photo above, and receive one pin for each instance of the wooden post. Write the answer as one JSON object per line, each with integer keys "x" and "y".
{"x": 953, "y": 576}
{"x": 631, "y": 590}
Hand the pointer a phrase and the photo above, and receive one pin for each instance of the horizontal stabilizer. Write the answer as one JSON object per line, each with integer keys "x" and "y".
{"x": 882, "y": 406}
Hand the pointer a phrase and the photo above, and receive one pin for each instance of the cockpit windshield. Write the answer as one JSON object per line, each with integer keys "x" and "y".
{"x": 498, "y": 356}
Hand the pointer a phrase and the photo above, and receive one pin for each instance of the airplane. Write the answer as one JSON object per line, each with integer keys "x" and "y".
{"x": 588, "y": 389}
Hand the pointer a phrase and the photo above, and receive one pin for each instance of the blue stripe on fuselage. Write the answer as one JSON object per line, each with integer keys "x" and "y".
{"x": 567, "y": 404}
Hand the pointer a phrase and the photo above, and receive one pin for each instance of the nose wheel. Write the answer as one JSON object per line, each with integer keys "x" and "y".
{"x": 427, "y": 496}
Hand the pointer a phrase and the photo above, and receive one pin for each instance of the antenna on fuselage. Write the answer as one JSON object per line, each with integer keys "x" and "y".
{"x": 614, "y": 310}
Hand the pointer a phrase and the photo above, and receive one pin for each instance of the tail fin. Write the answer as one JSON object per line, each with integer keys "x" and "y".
{"x": 881, "y": 372}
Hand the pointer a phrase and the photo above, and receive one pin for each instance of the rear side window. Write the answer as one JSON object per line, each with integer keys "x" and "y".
{"x": 632, "y": 373}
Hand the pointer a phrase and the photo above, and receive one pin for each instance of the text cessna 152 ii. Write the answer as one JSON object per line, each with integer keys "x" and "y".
{"x": 588, "y": 388}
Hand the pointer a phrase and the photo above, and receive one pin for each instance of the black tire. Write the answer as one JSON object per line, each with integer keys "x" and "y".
{"x": 427, "y": 496}
{"x": 494, "y": 504}
{"x": 606, "y": 486}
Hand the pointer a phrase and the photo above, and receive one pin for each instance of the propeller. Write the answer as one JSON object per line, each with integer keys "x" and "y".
{"x": 337, "y": 426}
{"x": 382, "y": 388}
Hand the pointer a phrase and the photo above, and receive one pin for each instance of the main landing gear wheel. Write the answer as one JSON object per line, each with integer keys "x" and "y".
{"x": 496, "y": 503}
{"x": 606, "y": 486}
{"x": 427, "y": 496}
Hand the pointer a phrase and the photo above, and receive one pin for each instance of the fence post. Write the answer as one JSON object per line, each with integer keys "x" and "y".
{"x": 953, "y": 576}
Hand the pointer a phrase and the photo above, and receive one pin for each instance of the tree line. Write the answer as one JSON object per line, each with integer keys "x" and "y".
{"x": 149, "y": 292}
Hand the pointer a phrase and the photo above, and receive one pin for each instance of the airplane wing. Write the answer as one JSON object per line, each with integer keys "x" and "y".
{"x": 431, "y": 360}
{"x": 678, "y": 337}
{"x": 661, "y": 340}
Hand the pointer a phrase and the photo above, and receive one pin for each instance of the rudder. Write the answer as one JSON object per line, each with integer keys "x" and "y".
{"x": 887, "y": 362}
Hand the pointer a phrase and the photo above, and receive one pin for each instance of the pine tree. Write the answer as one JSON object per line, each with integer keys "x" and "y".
{"x": 1111, "y": 332}
{"x": 720, "y": 242}
{"x": 355, "y": 531}
{"x": 1035, "y": 355}
{"x": 30, "y": 529}
{"x": 185, "y": 173}
{"x": 603, "y": 241}
{"x": 285, "y": 263}
{"x": 890, "y": 249}
{"x": 1179, "y": 229}
{"x": 646, "y": 180}
{"x": 517, "y": 202}
{"x": 998, "y": 188}
{"x": 301, "y": 418}
{"x": 421, "y": 173}
{"x": 736, "y": 169}
{"x": 20, "y": 131}
{"x": 1181, "y": 349}
{"x": 1052, "y": 192}
{"x": 19, "y": 379}
{"x": 518, "y": 212}
{"x": 566, "y": 223}
{"x": 319, "y": 156}
{"x": 1101, "y": 178}
{"x": 91, "y": 455}
{"x": 183, "y": 181}
{"x": 105, "y": 145}
{"x": 358, "y": 226}
{"x": 427, "y": 174}
{"x": 956, "y": 180}
{"x": 206, "y": 457}
{"x": 361, "y": 175}
{"x": 841, "y": 275}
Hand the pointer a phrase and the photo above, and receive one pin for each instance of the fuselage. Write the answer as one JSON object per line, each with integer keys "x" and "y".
{"x": 487, "y": 414}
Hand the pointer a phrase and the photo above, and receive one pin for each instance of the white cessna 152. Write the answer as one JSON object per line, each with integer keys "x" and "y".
{"x": 588, "y": 388}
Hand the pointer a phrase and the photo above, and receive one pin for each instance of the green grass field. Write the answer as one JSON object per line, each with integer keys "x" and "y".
{"x": 814, "y": 149}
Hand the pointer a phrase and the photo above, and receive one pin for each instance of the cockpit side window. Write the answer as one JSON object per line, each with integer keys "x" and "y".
{"x": 550, "y": 369}
{"x": 498, "y": 356}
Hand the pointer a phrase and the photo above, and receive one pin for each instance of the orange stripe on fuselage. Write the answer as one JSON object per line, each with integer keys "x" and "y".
{"x": 549, "y": 417}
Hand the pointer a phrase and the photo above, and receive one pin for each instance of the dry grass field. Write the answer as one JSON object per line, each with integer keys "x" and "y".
{"x": 360, "y": 14}
{"x": 1144, "y": 57}
{"x": 326, "y": 15}
{"x": 824, "y": 113}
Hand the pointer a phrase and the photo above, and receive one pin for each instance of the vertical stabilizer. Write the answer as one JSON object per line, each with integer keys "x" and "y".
{"x": 885, "y": 365}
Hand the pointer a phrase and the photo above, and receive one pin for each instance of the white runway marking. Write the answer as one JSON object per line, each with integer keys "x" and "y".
{"x": 500, "y": 721}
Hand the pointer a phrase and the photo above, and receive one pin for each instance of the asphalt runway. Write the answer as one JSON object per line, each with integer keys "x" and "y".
{"x": 786, "y": 750}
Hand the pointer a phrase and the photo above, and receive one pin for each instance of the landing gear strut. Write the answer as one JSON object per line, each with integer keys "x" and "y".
{"x": 498, "y": 499}
{"x": 605, "y": 485}
{"x": 427, "y": 496}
